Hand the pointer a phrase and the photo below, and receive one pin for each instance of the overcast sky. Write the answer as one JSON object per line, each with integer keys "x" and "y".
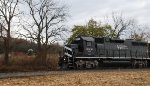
{"x": 83, "y": 10}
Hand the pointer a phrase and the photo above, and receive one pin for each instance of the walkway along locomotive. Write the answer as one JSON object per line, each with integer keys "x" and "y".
{"x": 91, "y": 52}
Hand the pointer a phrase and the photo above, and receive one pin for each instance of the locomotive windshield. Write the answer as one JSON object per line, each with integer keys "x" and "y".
{"x": 88, "y": 43}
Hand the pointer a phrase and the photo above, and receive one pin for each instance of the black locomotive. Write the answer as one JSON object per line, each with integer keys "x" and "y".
{"x": 92, "y": 52}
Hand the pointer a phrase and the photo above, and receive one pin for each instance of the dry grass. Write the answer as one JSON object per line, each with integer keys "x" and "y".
{"x": 24, "y": 62}
{"x": 1, "y": 59}
{"x": 52, "y": 61}
{"x": 97, "y": 78}
{"x": 21, "y": 60}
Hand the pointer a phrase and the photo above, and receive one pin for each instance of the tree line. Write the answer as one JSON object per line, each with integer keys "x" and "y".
{"x": 42, "y": 24}
{"x": 119, "y": 27}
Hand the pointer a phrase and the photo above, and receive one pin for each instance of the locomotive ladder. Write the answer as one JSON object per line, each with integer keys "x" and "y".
{"x": 69, "y": 54}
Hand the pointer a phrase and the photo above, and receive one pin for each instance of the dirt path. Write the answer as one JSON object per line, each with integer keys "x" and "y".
{"x": 45, "y": 73}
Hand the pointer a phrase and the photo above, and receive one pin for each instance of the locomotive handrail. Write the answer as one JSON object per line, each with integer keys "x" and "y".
{"x": 68, "y": 54}
{"x": 68, "y": 48}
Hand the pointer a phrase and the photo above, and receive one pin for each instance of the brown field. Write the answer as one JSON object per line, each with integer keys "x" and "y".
{"x": 85, "y": 78}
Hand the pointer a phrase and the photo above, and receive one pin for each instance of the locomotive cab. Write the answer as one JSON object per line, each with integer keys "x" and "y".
{"x": 86, "y": 46}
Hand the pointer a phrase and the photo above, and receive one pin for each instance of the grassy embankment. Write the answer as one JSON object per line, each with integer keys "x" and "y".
{"x": 23, "y": 62}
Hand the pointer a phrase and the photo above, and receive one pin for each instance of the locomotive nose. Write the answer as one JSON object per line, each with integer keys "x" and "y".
{"x": 90, "y": 51}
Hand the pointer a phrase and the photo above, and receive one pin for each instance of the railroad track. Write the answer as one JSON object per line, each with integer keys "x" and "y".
{"x": 45, "y": 73}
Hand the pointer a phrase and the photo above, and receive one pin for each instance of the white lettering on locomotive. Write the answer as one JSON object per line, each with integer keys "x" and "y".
{"x": 122, "y": 47}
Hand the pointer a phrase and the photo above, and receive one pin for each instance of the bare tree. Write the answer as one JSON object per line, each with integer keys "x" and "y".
{"x": 46, "y": 18}
{"x": 140, "y": 33}
{"x": 120, "y": 24}
{"x": 8, "y": 10}
{"x": 138, "y": 36}
{"x": 2, "y": 32}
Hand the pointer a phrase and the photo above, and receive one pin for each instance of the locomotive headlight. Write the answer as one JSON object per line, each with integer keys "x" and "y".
{"x": 89, "y": 49}
{"x": 64, "y": 59}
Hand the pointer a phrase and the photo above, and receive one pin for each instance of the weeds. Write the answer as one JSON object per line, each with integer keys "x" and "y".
{"x": 27, "y": 63}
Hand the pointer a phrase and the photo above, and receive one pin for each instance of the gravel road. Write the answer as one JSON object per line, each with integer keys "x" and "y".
{"x": 45, "y": 73}
{"x": 27, "y": 74}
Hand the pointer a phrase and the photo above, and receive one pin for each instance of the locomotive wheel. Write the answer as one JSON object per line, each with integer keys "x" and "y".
{"x": 142, "y": 64}
{"x": 75, "y": 66}
{"x": 100, "y": 64}
{"x": 145, "y": 63}
{"x": 134, "y": 64}
{"x": 80, "y": 67}
{"x": 138, "y": 64}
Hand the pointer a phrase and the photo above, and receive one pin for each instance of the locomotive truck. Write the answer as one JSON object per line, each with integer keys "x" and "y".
{"x": 92, "y": 52}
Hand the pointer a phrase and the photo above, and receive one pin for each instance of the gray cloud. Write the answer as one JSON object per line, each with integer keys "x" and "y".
{"x": 82, "y": 10}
